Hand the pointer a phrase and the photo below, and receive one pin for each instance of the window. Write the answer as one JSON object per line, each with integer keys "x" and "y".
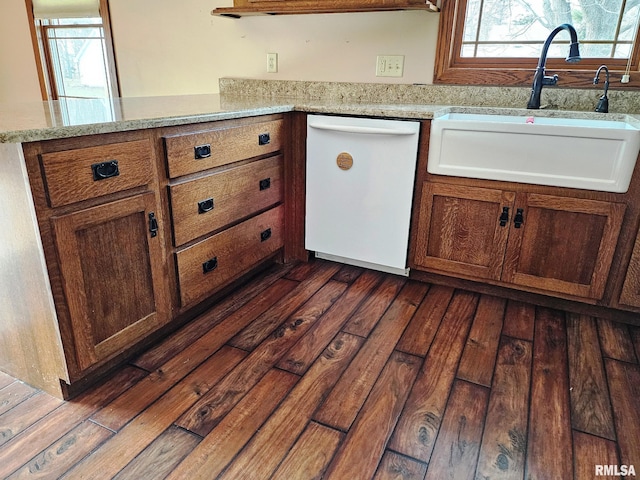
{"x": 498, "y": 42}
{"x": 75, "y": 50}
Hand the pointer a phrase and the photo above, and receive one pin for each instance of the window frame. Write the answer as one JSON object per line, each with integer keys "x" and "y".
{"x": 451, "y": 68}
{"x": 46, "y": 76}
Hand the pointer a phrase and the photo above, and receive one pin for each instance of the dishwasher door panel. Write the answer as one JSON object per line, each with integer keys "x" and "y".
{"x": 361, "y": 213}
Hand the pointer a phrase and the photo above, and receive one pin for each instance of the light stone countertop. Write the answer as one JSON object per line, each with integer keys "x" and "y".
{"x": 26, "y": 122}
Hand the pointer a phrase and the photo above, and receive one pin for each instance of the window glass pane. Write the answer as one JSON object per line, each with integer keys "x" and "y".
{"x": 492, "y": 50}
{"x": 629, "y": 20}
{"x": 509, "y": 20}
{"x": 468, "y": 50}
{"x": 78, "y": 21}
{"x": 622, "y": 50}
{"x": 75, "y": 32}
{"x": 80, "y": 111}
{"x": 79, "y": 64}
{"x": 522, "y": 21}
{"x": 587, "y": 50}
{"x": 71, "y": 21}
{"x": 471, "y": 21}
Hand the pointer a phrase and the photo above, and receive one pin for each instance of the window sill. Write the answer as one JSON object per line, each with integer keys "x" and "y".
{"x": 521, "y": 77}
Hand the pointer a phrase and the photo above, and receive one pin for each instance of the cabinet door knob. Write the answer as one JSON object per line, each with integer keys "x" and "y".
{"x": 504, "y": 216}
{"x": 153, "y": 224}
{"x": 518, "y": 220}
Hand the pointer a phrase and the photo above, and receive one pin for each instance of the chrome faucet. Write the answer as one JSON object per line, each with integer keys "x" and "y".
{"x": 539, "y": 78}
{"x": 603, "y": 103}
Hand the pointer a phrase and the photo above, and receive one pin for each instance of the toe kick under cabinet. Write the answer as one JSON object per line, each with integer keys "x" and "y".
{"x": 136, "y": 230}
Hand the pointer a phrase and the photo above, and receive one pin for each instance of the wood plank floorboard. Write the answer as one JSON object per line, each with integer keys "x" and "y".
{"x": 590, "y": 404}
{"x": 13, "y": 394}
{"x": 479, "y": 355}
{"x": 616, "y": 341}
{"x": 321, "y": 370}
{"x": 397, "y": 467}
{"x": 456, "y": 450}
{"x": 5, "y": 380}
{"x": 587, "y": 447}
{"x": 519, "y": 320}
{"x": 346, "y": 399}
{"x": 310, "y": 455}
{"x": 504, "y": 442}
{"x": 549, "y": 414}
{"x": 416, "y": 432}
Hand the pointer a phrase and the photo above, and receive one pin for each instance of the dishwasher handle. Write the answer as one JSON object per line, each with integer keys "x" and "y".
{"x": 366, "y": 130}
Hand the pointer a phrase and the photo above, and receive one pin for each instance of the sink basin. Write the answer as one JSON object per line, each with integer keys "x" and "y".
{"x": 592, "y": 154}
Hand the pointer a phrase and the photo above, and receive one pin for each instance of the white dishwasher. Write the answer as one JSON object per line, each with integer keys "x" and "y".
{"x": 359, "y": 181}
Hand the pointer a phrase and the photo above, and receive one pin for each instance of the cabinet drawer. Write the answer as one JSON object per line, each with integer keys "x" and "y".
{"x": 211, "y": 263}
{"x": 195, "y": 152}
{"x": 75, "y": 175}
{"x": 206, "y": 204}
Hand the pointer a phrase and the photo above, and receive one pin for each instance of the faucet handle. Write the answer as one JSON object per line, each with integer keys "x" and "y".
{"x": 546, "y": 80}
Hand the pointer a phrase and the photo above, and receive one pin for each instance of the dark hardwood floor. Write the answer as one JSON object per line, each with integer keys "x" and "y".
{"x": 330, "y": 371}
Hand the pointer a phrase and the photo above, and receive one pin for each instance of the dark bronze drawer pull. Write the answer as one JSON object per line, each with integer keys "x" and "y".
{"x": 153, "y": 224}
{"x": 518, "y": 220}
{"x": 210, "y": 265}
{"x": 265, "y": 183}
{"x": 202, "y": 151}
{"x": 504, "y": 217}
{"x": 266, "y": 235}
{"x": 104, "y": 170}
{"x": 205, "y": 206}
{"x": 264, "y": 139}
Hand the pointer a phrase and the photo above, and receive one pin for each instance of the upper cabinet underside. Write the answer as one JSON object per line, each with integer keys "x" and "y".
{"x": 282, "y": 7}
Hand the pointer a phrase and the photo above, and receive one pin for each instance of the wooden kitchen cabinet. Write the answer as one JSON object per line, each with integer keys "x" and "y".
{"x": 458, "y": 231}
{"x": 112, "y": 261}
{"x": 544, "y": 242}
{"x": 103, "y": 272}
{"x": 564, "y": 244}
{"x": 120, "y": 237}
{"x": 630, "y": 295}
{"x": 249, "y": 7}
{"x": 226, "y": 191}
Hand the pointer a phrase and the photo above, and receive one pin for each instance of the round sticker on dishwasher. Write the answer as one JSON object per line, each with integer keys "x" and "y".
{"x": 344, "y": 161}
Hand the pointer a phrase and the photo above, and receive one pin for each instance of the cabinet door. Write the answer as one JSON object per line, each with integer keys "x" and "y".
{"x": 563, "y": 245}
{"x": 113, "y": 275}
{"x": 459, "y": 230}
{"x": 631, "y": 288}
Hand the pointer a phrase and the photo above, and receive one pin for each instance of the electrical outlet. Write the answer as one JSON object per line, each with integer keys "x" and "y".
{"x": 389, "y": 65}
{"x": 272, "y": 63}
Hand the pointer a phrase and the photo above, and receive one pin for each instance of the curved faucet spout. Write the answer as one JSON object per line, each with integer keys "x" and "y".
{"x": 603, "y": 103}
{"x": 539, "y": 78}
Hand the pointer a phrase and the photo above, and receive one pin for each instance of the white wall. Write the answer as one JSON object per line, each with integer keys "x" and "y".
{"x": 18, "y": 74}
{"x": 164, "y": 47}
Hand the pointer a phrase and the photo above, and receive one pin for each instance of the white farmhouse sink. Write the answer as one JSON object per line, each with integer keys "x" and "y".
{"x": 564, "y": 152}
